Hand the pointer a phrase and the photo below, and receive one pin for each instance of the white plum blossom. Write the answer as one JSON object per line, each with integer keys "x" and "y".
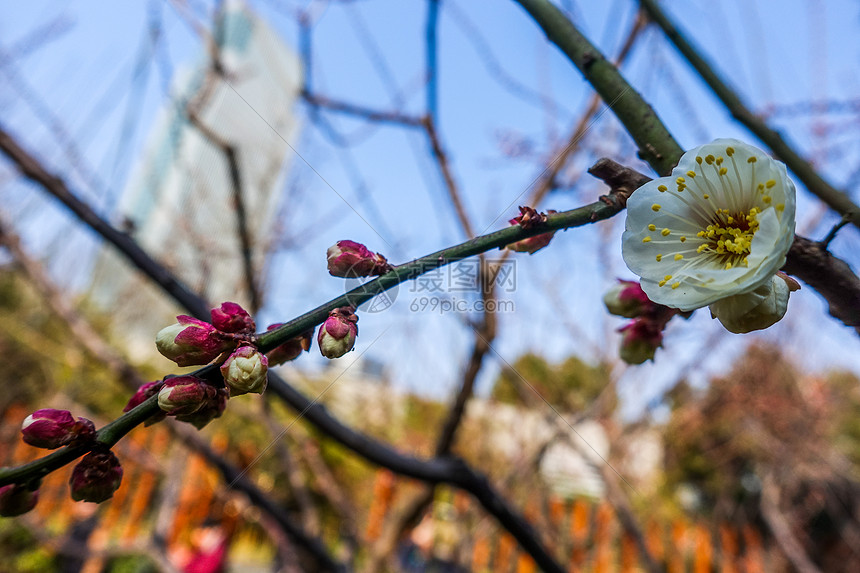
{"x": 718, "y": 227}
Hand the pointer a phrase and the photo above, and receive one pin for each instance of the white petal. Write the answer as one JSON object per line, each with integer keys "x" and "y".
{"x": 754, "y": 310}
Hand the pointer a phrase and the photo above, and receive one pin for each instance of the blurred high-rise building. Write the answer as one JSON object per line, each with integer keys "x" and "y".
{"x": 181, "y": 202}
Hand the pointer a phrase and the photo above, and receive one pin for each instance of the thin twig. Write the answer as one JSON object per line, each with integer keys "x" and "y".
{"x": 817, "y": 185}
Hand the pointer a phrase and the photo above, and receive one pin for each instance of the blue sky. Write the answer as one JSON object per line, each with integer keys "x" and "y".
{"x": 100, "y": 83}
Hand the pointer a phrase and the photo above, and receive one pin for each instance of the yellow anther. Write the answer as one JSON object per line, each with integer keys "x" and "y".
{"x": 746, "y": 262}
{"x": 675, "y": 285}
{"x": 652, "y": 227}
{"x": 728, "y": 266}
{"x": 701, "y": 248}
{"x": 679, "y": 256}
{"x": 646, "y": 240}
{"x": 699, "y": 159}
{"x": 667, "y": 278}
{"x": 706, "y": 196}
{"x": 761, "y": 186}
{"x": 662, "y": 188}
{"x": 719, "y": 161}
{"x": 655, "y": 207}
{"x": 752, "y": 160}
{"x": 766, "y": 199}
{"x": 770, "y": 183}
{"x": 681, "y": 187}
{"x": 691, "y": 173}
{"x": 723, "y": 170}
{"x": 780, "y": 207}
{"x": 659, "y": 258}
{"x": 665, "y": 232}
{"x": 730, "y": 220}
{"x": 680, "y": 180}
{"x": 709, "y": 159}
{"x": 661, "y": 283}
{"x": 730, "y": 151}
{"x": 682, "y": 238}
{"x": 700, "y": 234}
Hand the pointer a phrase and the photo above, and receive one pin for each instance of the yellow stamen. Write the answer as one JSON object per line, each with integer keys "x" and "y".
{"x": 691, "y": 174}
{"x": 706, "y": 196}
{"x": 665, "y": 232}
{"x": 751, "y": 160}
{"x": 659, "y": 258}
{"x": 675, "y": 285}
{"x": 728, "y": 266}
{"x": 683, "y": 238}
{"x": 723, "y": 170}
{"x": 652, "y": 227}
{"x": 679, "y": 256}
{"x": 770, "y": 183}
{"x": 662, "y": 188}
{"x": 730, "y": 151}
{"x": 646, "y": 240}
{"x": 655, "y": 207}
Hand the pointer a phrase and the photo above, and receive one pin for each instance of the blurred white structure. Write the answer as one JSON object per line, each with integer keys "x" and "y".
{"x": 179, "y": 202}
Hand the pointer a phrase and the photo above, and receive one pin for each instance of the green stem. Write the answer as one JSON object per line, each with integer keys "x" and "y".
{"x": 107, "y": 436}
{"x": 837, "y": 200}
{"x": 656, "y": 144}
{"x": 114, "y": 431}
{"x": 597, "y": 211}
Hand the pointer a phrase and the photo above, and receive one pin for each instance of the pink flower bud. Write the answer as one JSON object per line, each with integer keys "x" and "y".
{"x": 230, "y": 317}
{"x": 290, "y": 349}
{"x": 144, "y": 393}
{"x": 213, "y": 406}
{"x": 48, "y": 428}
{"x": 245, "y": 371}
{"x": 96, "y": 477}
{"x": 337, "y": 334}
{"x": 627, "y": 299}
{"x": 192, "y": 342}
{"x": 183, "y": 395}
{"x": 16, "y": 499}
{"x": 83, "y": 431}
{"x": 351, "y": 259}
{"x": 530, "y": 219}
{"x": 640, "y": 340}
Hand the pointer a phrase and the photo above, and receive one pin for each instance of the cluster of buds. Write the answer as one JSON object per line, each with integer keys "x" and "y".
{"x": 349, "y": 259}
{"x": 642, "y": 336}
{"x": 337, "y": 334}
{"x": 193, "y": 342}
{"x": 95, "y": 478}
{"x": 529, "y": 218}
{"x": 51, "y": 429}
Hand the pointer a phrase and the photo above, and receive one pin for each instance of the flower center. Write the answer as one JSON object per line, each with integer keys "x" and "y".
{"x": 729, "y": 236}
